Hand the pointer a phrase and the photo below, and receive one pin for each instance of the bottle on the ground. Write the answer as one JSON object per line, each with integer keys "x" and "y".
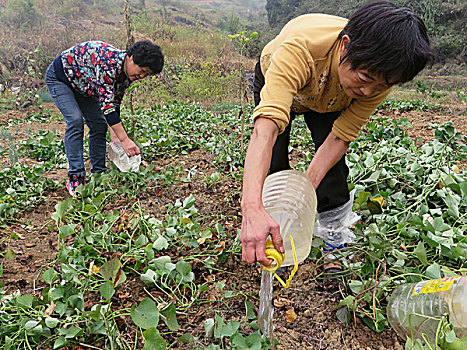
{"x": 124, "y": 163}
{"x": 432, "y": 299}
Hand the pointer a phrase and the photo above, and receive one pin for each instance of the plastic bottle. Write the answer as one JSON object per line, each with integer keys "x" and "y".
{"x": 124, "y": 163}
{"x": 431, "y": 298}
{"x": 290, "y": 199}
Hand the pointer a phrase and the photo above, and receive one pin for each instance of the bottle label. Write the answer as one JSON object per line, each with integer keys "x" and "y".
{"x": 433, "y": 286}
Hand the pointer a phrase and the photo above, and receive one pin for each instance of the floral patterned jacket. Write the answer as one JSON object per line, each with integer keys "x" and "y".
{"x": 95, "y": 68}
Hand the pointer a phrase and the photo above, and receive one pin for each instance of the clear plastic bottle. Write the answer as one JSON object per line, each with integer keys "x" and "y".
{"x": 290, "y": 199}
{"x": 432, "y": 298}
{"x": 124, "y": 163}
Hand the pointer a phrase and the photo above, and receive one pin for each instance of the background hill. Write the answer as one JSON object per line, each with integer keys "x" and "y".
{"x": 202, "y": 61}
{"x": 33, "y": 32}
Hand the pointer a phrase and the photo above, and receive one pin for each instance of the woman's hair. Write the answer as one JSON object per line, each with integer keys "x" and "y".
{"x": 147, "y": 54}
{"x": 388, "y": 41}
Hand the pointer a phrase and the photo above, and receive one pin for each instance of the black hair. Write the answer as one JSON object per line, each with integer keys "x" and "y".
{"x": 147, "y": 54}
{"x": 388, "y": 41}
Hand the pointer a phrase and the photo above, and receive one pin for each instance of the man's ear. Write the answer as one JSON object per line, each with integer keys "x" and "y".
{"x": 343, "y": 45}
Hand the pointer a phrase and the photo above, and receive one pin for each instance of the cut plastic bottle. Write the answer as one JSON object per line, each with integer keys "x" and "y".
{"x": 432, "y": 299}
{"x": 119, "y": 157}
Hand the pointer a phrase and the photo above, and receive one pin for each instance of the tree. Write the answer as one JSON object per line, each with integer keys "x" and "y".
{"x": 280, "y": 11}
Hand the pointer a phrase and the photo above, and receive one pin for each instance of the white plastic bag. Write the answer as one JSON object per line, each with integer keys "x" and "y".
{"x": 118, "y": 156}
{"x": 333, "y": 225}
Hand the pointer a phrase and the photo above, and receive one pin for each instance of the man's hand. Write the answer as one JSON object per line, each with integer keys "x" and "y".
{"x": 130, "y": 148}
{"x": 257, "y": 225}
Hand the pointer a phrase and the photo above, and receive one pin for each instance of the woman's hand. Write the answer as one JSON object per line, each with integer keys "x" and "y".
{"x": 130, "y": 148}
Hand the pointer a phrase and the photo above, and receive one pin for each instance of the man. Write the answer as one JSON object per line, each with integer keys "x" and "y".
{"x": 335, "y": 72}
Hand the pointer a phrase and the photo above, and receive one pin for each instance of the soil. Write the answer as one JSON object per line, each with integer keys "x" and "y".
{"x": 313, "y": 301}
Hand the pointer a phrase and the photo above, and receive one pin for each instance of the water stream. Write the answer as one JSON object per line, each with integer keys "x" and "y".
{"x": 266, "y": 308}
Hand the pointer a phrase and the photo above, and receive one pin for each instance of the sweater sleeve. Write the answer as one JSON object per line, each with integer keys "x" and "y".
{"x": 110, "y": 106}
{"x": 353, "y": 118}
{"x": 288, "y": 72}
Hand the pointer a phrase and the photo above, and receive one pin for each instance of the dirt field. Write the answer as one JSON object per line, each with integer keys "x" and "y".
{"x": 316, "y": 326}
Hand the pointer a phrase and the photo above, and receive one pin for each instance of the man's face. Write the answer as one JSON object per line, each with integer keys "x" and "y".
{"x": 358, "y": 83}
{"x": 135, "y": 72}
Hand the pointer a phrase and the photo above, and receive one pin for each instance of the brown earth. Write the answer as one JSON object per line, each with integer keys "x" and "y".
{"x": 313, "y": 301}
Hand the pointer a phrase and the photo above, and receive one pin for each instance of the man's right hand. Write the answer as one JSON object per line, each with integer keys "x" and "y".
{"x": 257, "y": 225}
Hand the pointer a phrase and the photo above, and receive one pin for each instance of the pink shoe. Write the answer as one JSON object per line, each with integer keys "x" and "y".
{"x": 73, "y": 182}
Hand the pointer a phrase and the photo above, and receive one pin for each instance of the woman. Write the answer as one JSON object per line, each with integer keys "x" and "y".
{"x": 87, "y": 83}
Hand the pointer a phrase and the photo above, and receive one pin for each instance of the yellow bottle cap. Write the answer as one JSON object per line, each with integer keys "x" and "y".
{"x": 278, "y": 258}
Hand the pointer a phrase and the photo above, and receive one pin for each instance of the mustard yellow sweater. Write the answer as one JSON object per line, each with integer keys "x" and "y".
{"x": 300, "y": 70}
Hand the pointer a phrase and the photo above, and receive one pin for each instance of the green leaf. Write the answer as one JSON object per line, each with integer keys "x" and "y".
{"x": 61, "y": 208}
{"x": 56, "y": 293}
{"x": 186, "y": 338}
{"x": 183, "y": 267}
{"x": 356, "y": 286}
{"x": 60, "y": 308}
{"x": 70, "y": 332}
{"x": 218, "y": 326}
{"x": 420, "y": 252}
{"x": 50, "y": 276}
{"x": 161, "y": 262}
{"x": 95, "y": 313}
{"x": 142, "y": 240}
{"x": 110, "y": 269}
{"x": 25, "y": 301}
{"x": 189, "y": 202}
{"x": 9, "y": 255}
{"x": 463, "y": 188}
{"x": 170, "y": 317}
{"x": 149, "y": 277}
{"x": 146, "y": 315}
{"x": 51, "y": 322}
{"x": 153, "y": 340}
{"x": 60, "y": 342}
{"x": 347, "y": 301}
{"x": 250, "y": 313}
{"x": 374, "y": 207}
{"x": 160, "y": 243}
{"x": 230, "y": 329}
{"x": 31, "y": 324}
{"x": 433, "y": 271}
{"x": 209, "y": 327}
{"x": 252, "y": 342}
{"x": 66, "y": 230}
{"x": 453, "y": 201}
{"x": 107, "y": 290}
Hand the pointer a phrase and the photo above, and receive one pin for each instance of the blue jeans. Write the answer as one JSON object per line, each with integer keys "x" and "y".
{"x": 76, "y": 110}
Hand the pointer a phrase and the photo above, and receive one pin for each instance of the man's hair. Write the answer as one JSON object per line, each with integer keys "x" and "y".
{"x": 147, "y": 54}
{"x": 388, "y": 41}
